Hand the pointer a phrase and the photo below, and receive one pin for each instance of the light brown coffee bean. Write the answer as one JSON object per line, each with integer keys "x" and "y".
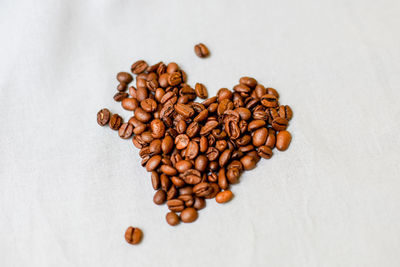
{"x": 119, "y": 96}
{"x": 183, "y": 166}
{"x": 269, "y": 101}
{"x": 224, "y": 196}
{"x": 181, "y": 141}
{"x": 279, "y": 124}
{"x": 192, "y": 150}
{"x": 264, "y": 152}
{"x": 133, "y": 235}
{"x": 184, "y": 110}
{"x": 139, "y": 67}
{"x": 201, "y": 90}
{"x": 168, "y": 170}
{"x": 155, "y": 180}
{"x": 125, "y": 131}
{"x": 165, "y": 182}
{"x": 248, "y": 162}
{"x": 153, "y": 163}
{"x": 248, "y": 81}
{"x": 124, "y": 77}
{"x": 259, "y": 137}
{"x": 142, "y": 115}
{"x": 176, "y": 205}
{"x": 159, "y": 197}
{"x": 174, "y": 78}
{"x": 115, "y": 121}
{"x": 283, "y": 140}
{"x": 172, "y": 192}
{"x": 157, "y": 128}
{"x": 285, "y": 112}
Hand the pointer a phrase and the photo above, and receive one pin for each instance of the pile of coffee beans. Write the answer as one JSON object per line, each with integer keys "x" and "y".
{"x": 195, "y": 150}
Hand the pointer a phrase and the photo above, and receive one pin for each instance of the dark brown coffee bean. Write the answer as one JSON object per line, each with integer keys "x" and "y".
{"x": 181, "y": 126}
{"x": 259, "y": 137}
{"x": 248, "y": 81}
{"x": 201, "y": 163}
{"x": 132, "y": 91}
{"x": 279, "y": 124}
{"x": 222, "y": 180}
{"x": 201, "y": 50}
{"x": 115, "y": 122}
{"x": 221, "y": 145}
{"x": 201, "y": 90}
{"x": 124, "y": 77}
{"x": 155, "y": 147}
{"x": 199, "y": 203}
{"x": 175, "y": 78}
{"x": 176, "y": 205}
{"x": 119, "y": 96}
{"x": 153, "y": 163}
{"x": 236, "y": 164}
{"x": 215, "y": 191}
{"x": 272, "y": 91}
{"x": 138, "y": 142}
{"x": 129, "y": 104}
{"x": 125, "y": 131}
{"x": 147, "y": 137}
{"x": 172, "y": 193}
{"x": 159, "y": 197}
{"x": 212, "y": 153}
{"x": 181, "y": 141}
{"x": 248, "y": 162}
{"x": 172, "y": 218}
{"x": 142, "y": 115}
{"x": 241, "y": 88}
{"x": 224, "y": 196}
{"x": 121, "y": 87}
{"x": 203, "y": 144}
{"x": 152, "y": 84}
{"x": 155, "y": 180}
{"x": 244, "y": 113}
{"x": 225, "y": 157}
{"x": 167, "y": 144}
{"x": 189, "y": 215}
{"x": 224, "y": 105}
{"x": 192, "y": 150}
{"x": 168, "y": 170}
{"x": 165, "y": 182}
{"x": 283, "y": 140}
{"x": 133, "y": 235}
{"x": 141, "y": 94}
{"x": 202, "y": 189}
{"x": 103, "y": 116}
{"x": 253, "y": 125}
{"x": 233, "y": 175}
{"x": 264, "y": 152}
{"x": 149, "y": 105}
{"x": 269, "y": 101}
{"x": 286, "y": 112}
{"x": 139, "y": 67}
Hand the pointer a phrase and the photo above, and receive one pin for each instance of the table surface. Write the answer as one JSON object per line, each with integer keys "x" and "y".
{"x": 69, "y": 188}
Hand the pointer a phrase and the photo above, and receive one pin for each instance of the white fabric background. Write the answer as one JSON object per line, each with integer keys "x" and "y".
{"x": 69, "y": 188}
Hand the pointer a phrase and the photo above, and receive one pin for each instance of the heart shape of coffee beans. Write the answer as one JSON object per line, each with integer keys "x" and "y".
{"x": 196, "y": 150}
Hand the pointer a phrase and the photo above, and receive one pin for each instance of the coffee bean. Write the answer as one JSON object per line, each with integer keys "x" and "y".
{"x": 183, "y": 166}
{"x": 124, "y": 77}
{"x": 283, "y": 140}
{"x": 172, "y": 192}
{"x": 155, "y": 180}
{"x": 248, "y": 162}
{"x": 178, "y": 182}
{"x": 201, "y": 90}
{"x": 184, "y": 110}
{"x": 172, "y": 67}
{"x": 191, "y": 176}
{"x": 192, "y": 150}
{"x": 272, "y": 91}
{"x": 182, "y": 141}
{"x": 139, "y": 67}
{"x": 125, "y": 131}
{"x": 255, "y": 124}
{"x": 159, "y": 197}
{"x": 149, "y": 105}
{"x": 248, "y": 81}
{"x": 286, "y": 112}
{"x": 269, "y": 101}
{"x": 168, "y": 170}
{"x": 225, "y": 157}
{"x": 176, "y": 205}
{"x": 259, "y": 137}
{"x": 133, "y": 235}
{"x": 201, "y": 50}
{"x": 175, "y": 78}
{"x": 142, "y": 115}
{"x": 264, "y": 152}
{"x": 103, "y": 116}
{"x": 157, "y": 128}
{"x": 121, "y": 87}
{"x": 172, "y": 218}
{"x": 233, "y": 175}
{"x": 119, "y": 96}
{"x": 165, "y": 182}
{"x": 215, "y": 191}
{"x": 130, "y": 104}
{"x": 189, "y": 215}
{"x": 201, "y": 163}
{"x": 115, "y": 122}
{"x": 153, "y": 163}
{"x": 222, "y": 180}
{"x": 202, "y": 189}
{"x": 279, "y": 124}
{"x": 224, "y": 196}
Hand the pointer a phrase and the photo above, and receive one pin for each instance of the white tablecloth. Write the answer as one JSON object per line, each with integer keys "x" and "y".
{"x": 69, "y": 188}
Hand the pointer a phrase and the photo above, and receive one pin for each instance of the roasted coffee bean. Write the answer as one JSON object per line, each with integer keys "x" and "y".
{"x": 168, "y": 170}
{"x": 149, "y": 105}
{"x": 264, "y": 152}
{"x": 248, "y": 162}
{"x": 224, "y": 196}
{"x": 212, "y": 177}
{"x": 155, "y": 180}
{"x": 188, "y": 190}
{"x": 153, "y": 163}
{"x": 147, "y": 137}
{"x": 181, "y": 127}
{"x": 103, "y": 116}
{"x": 208, "y": 127}
{"x": 233, "y": 175}
{"x": 212, "y": 153}
{"x": 285, "y": 112}
{"x": 155, "y": 147}
{"x": 167, "y": 144}
{"x": 201, "y": 50}
{"x": 138, "y": 142}
{"x": 159, "y": 197}
{"x": 165, "y": 182}
{"x": 119, "y": 96}
{"x": 178, "y": 182}
{"x": 132, "y": 91}
{"x": 176, "y": 205}
{"x": 244, "y": 113}
{"x": 255, "y": 125}
{"x": 130, "y": 104}
{"x": 183, "y": 165}
{"x": 201, "y": 163}
{"x": 279, "y": 124}
{"x": 124, "y": 77}
{"x": 157, "y": 128}
{"x": 121, "y": 87}
{"x": 172, "y": 218}
{"x": 259, "y": 137}
{"x": 215, "y": 191}
{"x": 172, "y": 67}
{"x": 182, "y": 141}
{"x": 125, "y": 131}
{"x": 225, "y": 157}
{"x": 193, "y": 129}
{"x": 222, "y": 180}
{"x": 199, "y": 203}
{"x": 202, "y": 189}
{"x": 142, "y": 115}
{"x": 139, "y": 67}
{"x": 172, "y": 193}
{"x": 184, "y": 110}
{"x": 248, "y": 81}
{"x": 192, "y": 176}
{"x": 201, "y": 90}
{"x": 189, "y": 215}
{"x": 133, "y": 235}
{"x": 269, "y": 101}
{"x": 272, "y": 91}
{"x": 192, "y": 150}
{"x": 187, "y": 199}
{"x": 115, "y": 121}
{"x": 283, "y": 140}
{"x": 175, "y": 78}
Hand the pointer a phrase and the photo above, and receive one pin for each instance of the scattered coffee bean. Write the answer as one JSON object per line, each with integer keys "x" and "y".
{"x": 224, "y": 196}
{"x": 125, "y": 131}
{"x": 201, "y": 90}
{"x": 283, "y": 140}
{"x": 172, "y": 218}
{"x": 115, "y": 121}
{"x": 201, "y": 50}
{"x": 189, "y": 215}
{"x": 124, "y": 77}
{"x": 133, "y": 235}
{"x": 103, "y": 116}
